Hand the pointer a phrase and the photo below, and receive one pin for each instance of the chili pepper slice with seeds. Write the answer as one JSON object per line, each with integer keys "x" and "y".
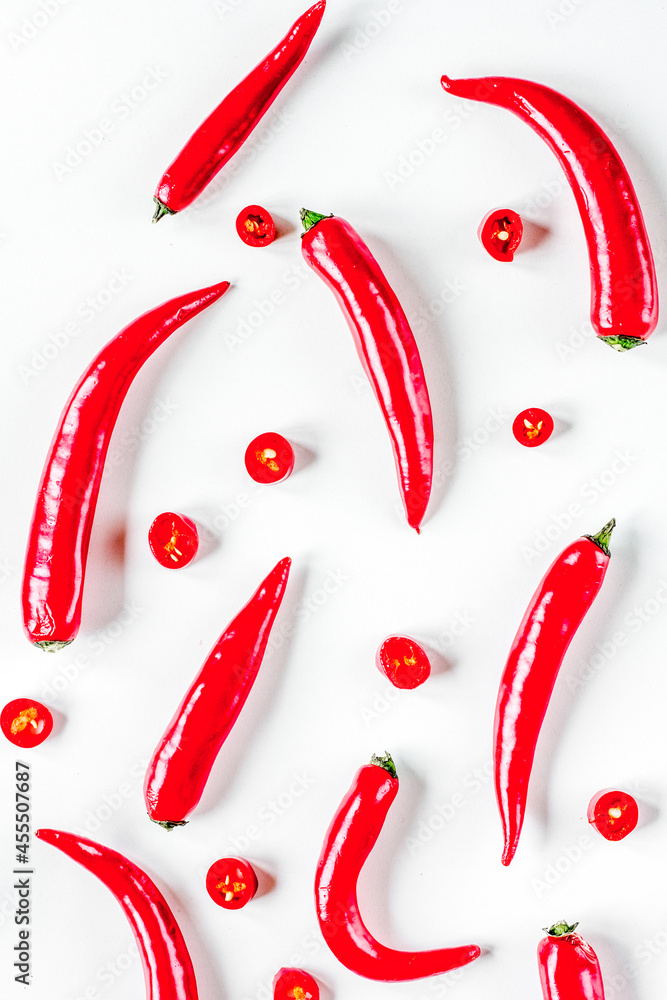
{"x": 624, "y": 295}
{"x": 349, "y": 840}
{"x": 180, "y": 766}
{"x": 554, "y": 614}
{"x": 231, "y": 882}
{"x": 386, "y": 348}
{"x": 569, "y": 968}
{"x": 167, "y": 965}
{"x": 25, "y": 722}
{"x": 55, "y": 563}
{"x": 255, "y": 226}
{"x": 500, "y": 233}
{"x": 227, "y": 128}
{"x": 294, "y": 984}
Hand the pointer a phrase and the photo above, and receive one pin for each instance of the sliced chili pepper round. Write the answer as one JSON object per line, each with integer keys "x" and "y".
{"x": 231, "y": 882}
{"x": 403, "y": 661}
{"x": 255, "y": 226}
{"x": 26, "y": 723}
{"x": 532, "y": 427}
{"x": 614, "y": 814}
{"x": 269, "y": 458}
{"x": 173, "y": 539}
{"x": 295, "y": 984}
{"x": 500, "y": 233}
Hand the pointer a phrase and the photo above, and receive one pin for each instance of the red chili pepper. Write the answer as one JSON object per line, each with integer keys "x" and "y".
{"x": 255, "y": 226}
{"x": 569, "y": 968}
{"x": 167, "y": 965}
{"x": 614, "y": 814}
{"x": 180, "y": 766}
{"x": 173, "y": 540}
{"x": 26, "y": 723}
{"x": 227, "y": 128}
{"x": 403, "y": 661}
{"x": 624, "y": 295}
{"x": 554, "y": 614}
{"x": 500, "y": 233}
{"x": 295, "y": 984}
{"x": 55, "y": 563}
{"x": 532, "y": 427}
{"x": 386, "y": 348}
{"x": 349, "y": 841}
{"x": 269, "y": 458}
{"x": 231, "y": 882}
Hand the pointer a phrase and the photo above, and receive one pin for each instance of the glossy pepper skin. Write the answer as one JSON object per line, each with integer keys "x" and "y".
{"x": 181, "y": 763}
{"x": 226, "y": 129}
{"x": 569, "y": 968}
{"x": 552, "y": 618}
{"x": 55, "y": 563}
{"x": 624, "y": 295}
{"x": 168, "y": 971}
{"x": 386, "y": 347}
{"x": 349, "y": 840}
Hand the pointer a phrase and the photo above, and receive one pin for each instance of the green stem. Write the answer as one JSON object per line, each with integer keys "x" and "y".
{"x": 53, "y": 645}
{"x": 161, "y": 210}
{"x": 386, "y": 762}
{"x": 561, "y": 929}
{"x": 603, "y": 536}
{"x": 310, "y": 219}
{"x": 169, "y": 824}
{"x": 623, "y": 344}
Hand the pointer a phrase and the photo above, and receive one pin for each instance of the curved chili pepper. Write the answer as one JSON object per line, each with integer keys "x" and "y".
{"x": 624, "y": 295}
{"x": 569, "y": 968}
{"x": 182, "y": 761}
{"x": 554, "y": 614}
{"x": 349, "y": 840}
{"x": 167, "y": 965}
{"x": 55, "y": 564}
{"x": 386, "y": 348}
{"x": 227, "y": 128}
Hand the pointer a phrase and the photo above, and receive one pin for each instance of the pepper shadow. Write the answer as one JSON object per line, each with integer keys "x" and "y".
{"x": 438, "y": 368}
{"x": 624, "y": 564}
{"x": 533, "y": 236}
{"x": 260, "y": 701}
{"x": 209, "y": 986}
{"x": 104, "y": 590}
{"x": 615, "y": 960}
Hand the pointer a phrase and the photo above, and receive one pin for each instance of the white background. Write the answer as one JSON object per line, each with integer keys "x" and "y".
{"x": 351, "y": 134}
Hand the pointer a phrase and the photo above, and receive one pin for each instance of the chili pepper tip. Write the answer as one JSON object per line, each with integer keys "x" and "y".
{"x": 52, "y": 645}
{"x": 161, "y": 210}
{"x": 386, "y": 762}
{"x": 561, "y": 929}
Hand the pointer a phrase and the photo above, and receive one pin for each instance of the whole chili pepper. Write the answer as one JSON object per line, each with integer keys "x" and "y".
{"x": 166, "y": 962}
{"x": 227, "y": 128}
{"x": 624, "y": 296}
{"x": 182, "y": 761}
{"x": 554, "y": 614}
{"x": 55, "y": 564}
{"x": 569, "y": 968}
{"x": 386, "y": 348}
{"x": 349, "y": 841}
